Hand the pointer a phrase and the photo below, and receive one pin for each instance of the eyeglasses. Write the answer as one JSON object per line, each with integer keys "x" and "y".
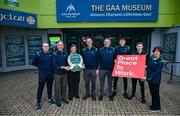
{"x": 45, "y": 46}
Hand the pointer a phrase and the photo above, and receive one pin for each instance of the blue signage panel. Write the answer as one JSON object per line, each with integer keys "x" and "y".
{"x": 34, "y": 45}
{"x": 107, "y": 10}
{"x": 16, "y": 18}
{"x": 15, "y": 50}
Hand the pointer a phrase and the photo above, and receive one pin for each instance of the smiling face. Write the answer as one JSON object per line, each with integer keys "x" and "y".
{"x": 89, "y": 42}
{"x": 122, "y": 42}
{"x": 139, "y": 47}
{"x": 107, "y": 43}
{"x": 45, "y": 47}
{"x": 73, "y": 49}
{"x": 157, "y": 53}
{"x": 60, "y": 46}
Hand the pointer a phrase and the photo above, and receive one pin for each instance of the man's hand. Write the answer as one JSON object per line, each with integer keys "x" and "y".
{"x": 143, "y": 79}
{"x": 65, "y": 67}
{"x": 97, "y": 72}
{"x": 145, "y": 66}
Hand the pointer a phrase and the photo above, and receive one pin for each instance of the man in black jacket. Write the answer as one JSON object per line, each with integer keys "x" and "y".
{"x": 121, "y": 49}
{"x": 43, "y": 60}
{"x": 139, "y": 51}
{"x": 106, "y": 63}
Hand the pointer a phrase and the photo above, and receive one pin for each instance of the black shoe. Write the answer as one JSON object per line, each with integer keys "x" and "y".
{"x": 111, "y": 98}
{"x": 143, "y": 100}
{"x": 100, "y": 98}
{"x": 70, "y": 98}
{"x": 77, "y": 97}
{"x": 114, "y": 93}
{"x": 152, "y": 109}
{"x": 65, "y": 101}
{"x": 125, "y": 95}
{"x": 131, "y": 97}
{"x": 58, "y": 105}
{"x": 38, "y": 107}
{"x": 85, "y": 97}
{"x": 93, "y": 97}
{"x": 51, "y": 102}
{"x": 150, "y": 106}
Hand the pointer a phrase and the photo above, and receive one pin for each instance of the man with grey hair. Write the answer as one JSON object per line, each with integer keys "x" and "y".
{"x": 106, "y": 63}
{"x": 60, "y": 67}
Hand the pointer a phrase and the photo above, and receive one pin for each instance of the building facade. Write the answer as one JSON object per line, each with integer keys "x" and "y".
{"x": 25, "y": 25}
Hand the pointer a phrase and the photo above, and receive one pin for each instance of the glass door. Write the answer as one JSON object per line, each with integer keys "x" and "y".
{"x": 78, "y": 38}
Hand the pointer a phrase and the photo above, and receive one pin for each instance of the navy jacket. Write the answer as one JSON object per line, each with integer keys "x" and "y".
{"x": 122, "y": 50}
{"x": 59, "y": 59}
{"x": 142, "y": 53}
{"x": 106, "y": 58}
{"x": 90, "y": 58}
{"x": 154, "y": 70}
{"x": 44, "y": 63}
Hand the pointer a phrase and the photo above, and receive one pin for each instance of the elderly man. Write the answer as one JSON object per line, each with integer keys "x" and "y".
{"x": 60, "y": 66}
{"x": 106, "y": 63}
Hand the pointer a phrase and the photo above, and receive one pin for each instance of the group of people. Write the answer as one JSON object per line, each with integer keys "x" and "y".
{"x": 64, "y": 69}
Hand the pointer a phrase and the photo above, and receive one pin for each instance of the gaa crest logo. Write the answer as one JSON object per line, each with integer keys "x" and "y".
{"x": 30, "y": 20}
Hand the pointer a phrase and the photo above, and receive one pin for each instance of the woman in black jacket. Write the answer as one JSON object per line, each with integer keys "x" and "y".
{"x": 155, "y": 66}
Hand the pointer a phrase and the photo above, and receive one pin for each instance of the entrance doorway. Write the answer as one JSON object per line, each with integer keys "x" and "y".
{"x": 77, "y": 36}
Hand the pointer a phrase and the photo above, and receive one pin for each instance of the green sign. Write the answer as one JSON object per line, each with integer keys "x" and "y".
{"x": 54, "y": 40}
{"x": 13, "y": 3}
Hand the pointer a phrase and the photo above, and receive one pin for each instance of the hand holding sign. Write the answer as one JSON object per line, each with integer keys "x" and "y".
{"x": 130, "y": 66}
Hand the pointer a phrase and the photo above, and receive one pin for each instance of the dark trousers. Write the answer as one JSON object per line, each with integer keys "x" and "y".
{"x": 154, "y": 90}
{"x": 90, "y": 76}
{"x": 115, "y": 81}
{"x": 141, "y": 83}
{"x": 102, "y": 76}
{"x": 73, "y": 82}
{"x": 60, "y": 87}
{"x": 41, "y": 83}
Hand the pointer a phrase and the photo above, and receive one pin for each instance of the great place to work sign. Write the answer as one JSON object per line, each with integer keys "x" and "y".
{"x": 16, "y": 18}
{"x": 130, "y": 66}
{"x": 107, "y": 10}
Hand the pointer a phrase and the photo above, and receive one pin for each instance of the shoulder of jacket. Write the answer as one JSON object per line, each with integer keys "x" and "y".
{"x": 126, "y": 46}
{"x": 116, "y": 47}
{"x": 144, "y": 52}
{"x": 112, "y": 48}
{"x": 38, "y": 53}
{"x": 84, "y": 49}
{"x": 65, "y": 53}
{"x": 55, "y": 53}
{"x": 101, "y": 48}
{"x": 95, "y": 48}
{"x": 162, "y": 60}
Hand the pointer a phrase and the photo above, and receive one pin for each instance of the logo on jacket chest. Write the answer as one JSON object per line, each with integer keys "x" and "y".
{"x": 92, "y": 52}
{"x": 124, "y": 50}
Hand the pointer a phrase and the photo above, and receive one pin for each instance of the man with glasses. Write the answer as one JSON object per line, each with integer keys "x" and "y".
{"x": 43, "y": 60}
